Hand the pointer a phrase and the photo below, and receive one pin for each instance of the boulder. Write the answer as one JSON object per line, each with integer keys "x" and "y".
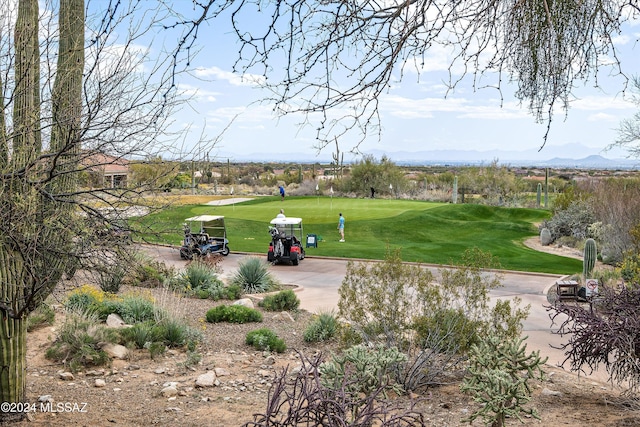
{"x": 247, "y": 302}
{"x": 116, "y": 351}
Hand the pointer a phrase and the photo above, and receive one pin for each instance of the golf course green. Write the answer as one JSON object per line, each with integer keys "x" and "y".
{"x": 426, "y": 232}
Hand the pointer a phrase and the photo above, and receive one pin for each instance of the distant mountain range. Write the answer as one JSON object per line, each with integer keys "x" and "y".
{"x": 563, "y": 156}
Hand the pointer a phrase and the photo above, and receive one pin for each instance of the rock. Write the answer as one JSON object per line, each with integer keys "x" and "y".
{"x": 246, "y": 302}
{"x": 264, "y": 373}
{"x": 66, "y": 376}
{"x": 221, "y": 372}
{"x": 283, "y": 315}
{"x": 206, "y": 380}
{"x": 45, "y": 398}
{"x": 549, "y": 392}
{"x": 100, "y": 382}
{"x": 116, "y": 351}
{"x": 269, "y": 360}
{"x": 159, "y": 371}
{"x": 169, "y": 391}
{"x": 115, "y": 321}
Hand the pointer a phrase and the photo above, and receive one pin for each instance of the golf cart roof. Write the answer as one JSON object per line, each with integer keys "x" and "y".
{"x": 205, "y": 218}
{"x": 286, "y": 221}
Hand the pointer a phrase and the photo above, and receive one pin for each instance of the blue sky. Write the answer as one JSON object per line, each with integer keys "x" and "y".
{"x": 415, "y": 114}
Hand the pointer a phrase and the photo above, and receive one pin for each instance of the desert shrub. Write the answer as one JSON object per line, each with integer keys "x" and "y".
{"x": 200, "y": 279}
{"x": 43, "y": 315}
{"x": 603, "y": 334}
{"x": 112, "y": 279}
{"x": 450, "y": 328}
{"x": 319, "y": 406}
{"x": 371, "y": 368}
{"x": 85, "y": 298}
{"x": 283, "y": 300}
{"x": 175, "y": 332}
{"x": 323, "y": 327}
{"x": 498, "y": 379}
{"x": 143, "y": 270}
{"x": 253, "y": 276}
{"x": 142, "y": 335}
{"x": 401, "y": 306}
{"x": 232, "y": 292}
{"x": 574, "y": 221}
{"x": 133, "y": 308}
{"x": 233, "y": 314}
{"x": 77, "y": 343}
{"x": 629, "y": 268}
{"x": 265, "y": 339}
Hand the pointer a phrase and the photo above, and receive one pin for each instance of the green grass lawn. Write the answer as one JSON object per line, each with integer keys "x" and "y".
{"x": 434, "y": 233}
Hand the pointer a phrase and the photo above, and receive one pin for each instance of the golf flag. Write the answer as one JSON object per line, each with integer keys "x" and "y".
{"x": 331, "y": 190}
{"x": 231, "y": 192}
{"x": 317, "y": 188}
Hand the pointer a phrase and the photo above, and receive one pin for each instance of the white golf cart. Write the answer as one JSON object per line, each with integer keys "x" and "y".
{"x": 204, "y": 235}
{"x": 286, "y": 241}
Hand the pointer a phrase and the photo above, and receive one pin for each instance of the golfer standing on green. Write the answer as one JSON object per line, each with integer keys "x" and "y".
{"x": 341, "y": 227}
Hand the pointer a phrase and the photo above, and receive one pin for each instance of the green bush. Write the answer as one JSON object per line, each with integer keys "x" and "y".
{"x": 449, "y": 327}
{"x": 200, "y": 279}
{"x": 498, "y": 378}
{"x": 142, "y": 334}
{"x": 175, "y": 333}
{"x": 233, "y": 314}
{"x": 265, "y": 339}
{"x": 368, "y": 369}
{"x": 77, "y": 342}
{"x": 253, "y": 276}
{"x": 322, "y": 328}
{"x": 283, "y": 300}
{"x": 132, "y": 309}
{"x": 81, "y": 301}
{"x": 110, "y": 281}
{"x": 233, "y": 292}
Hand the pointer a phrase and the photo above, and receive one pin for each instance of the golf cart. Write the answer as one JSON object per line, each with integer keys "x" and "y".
{"x": 286, "y": 241}
{"x": 210, "y": 237}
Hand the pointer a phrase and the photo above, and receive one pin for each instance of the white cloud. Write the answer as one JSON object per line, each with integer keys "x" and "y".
{"x": 603, "y": 117}
{"x": 594, "y": 102}
{"x": 231, "y": 78}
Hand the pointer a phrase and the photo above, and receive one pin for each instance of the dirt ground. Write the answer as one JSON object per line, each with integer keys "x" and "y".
{"x": 130, "y": 392}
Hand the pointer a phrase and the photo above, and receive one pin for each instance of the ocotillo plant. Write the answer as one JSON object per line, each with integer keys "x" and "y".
{"x": 589, "y": 258}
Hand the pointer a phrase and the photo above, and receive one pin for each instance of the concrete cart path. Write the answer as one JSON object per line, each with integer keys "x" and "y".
{"x": 320, "y": 279}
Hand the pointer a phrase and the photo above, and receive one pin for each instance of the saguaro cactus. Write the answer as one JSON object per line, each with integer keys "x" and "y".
{"x": 539, "y": 195}
{"x": 546, "y": 188}
{"x": 589, "y": 258}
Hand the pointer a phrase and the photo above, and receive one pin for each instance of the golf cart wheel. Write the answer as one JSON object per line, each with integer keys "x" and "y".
{"x": 294, "y": 259}
{"x": 186, "y": 254}
{"x": 225, "y": 251}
